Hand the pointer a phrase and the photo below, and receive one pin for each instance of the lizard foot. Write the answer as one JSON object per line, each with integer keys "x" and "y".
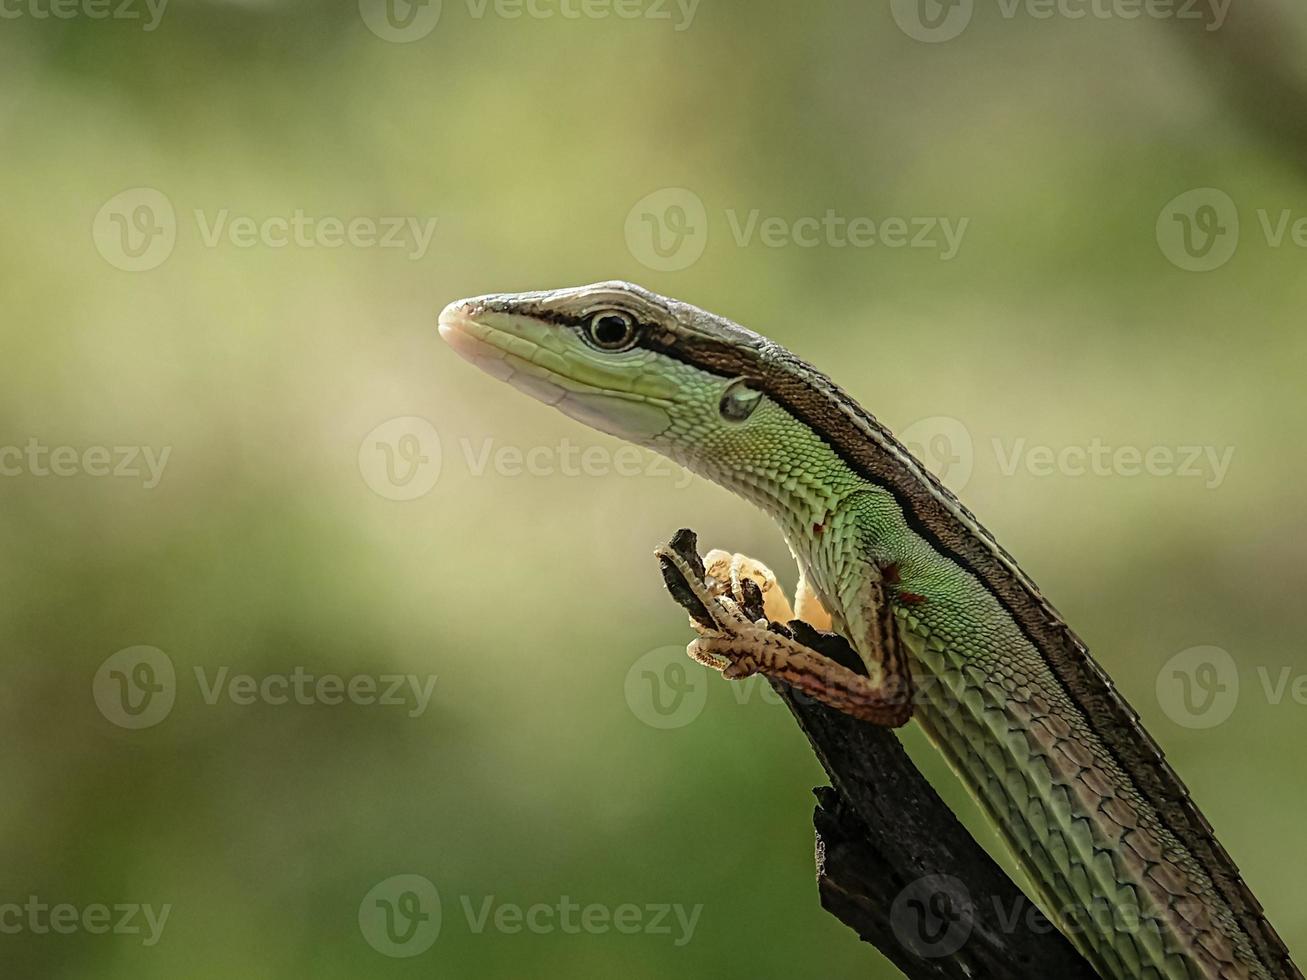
{"x": 726, "y": 603}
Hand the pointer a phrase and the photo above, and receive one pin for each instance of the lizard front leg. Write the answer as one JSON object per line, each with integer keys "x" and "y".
{"x": 738, "y": 638}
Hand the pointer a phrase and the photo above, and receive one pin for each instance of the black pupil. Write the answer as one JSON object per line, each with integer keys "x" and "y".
{"x": 611, "y": 330}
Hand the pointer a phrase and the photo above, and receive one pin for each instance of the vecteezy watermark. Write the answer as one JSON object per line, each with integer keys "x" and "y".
{"x": 302, "y": 230}
{"x": 936, "y": 915}
{"x": 667, "y": 230}
{"x": 933, "y": 21}
{"x": 1097, "y": 458}
{"x": 666, "y": 689}
{"x": 679, "y": 13}
{"x": 119, "y": 462}
{"x": 1200, "y": 230}
{"x": 402, "y": 459}
{"x": 1199, "y": 687}
{"x": 671, "y": 919}
{"x": 148, "y": 12}
{"x": 933, "y": 916}
{"x": 96, "y": 919}
{"x": 404, "y": 21}
{"x": 945, "y": 446}
{"x": 137, "y": 688}
{"x": 400, "y": 21}
{"x": 833, "y": 230}
{"x": 570, "y": 461}
{"x": 409, "y": 691}
{"x": 136, "y": 230}
{"x": 402, "y": 917}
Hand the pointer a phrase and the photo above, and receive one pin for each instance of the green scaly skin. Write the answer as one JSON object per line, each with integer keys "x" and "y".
{"x": 1119, "y": 855}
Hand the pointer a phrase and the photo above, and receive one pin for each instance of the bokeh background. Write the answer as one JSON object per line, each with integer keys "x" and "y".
{"x": 564, "y": 750}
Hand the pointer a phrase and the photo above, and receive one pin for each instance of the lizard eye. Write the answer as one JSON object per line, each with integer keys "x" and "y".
{"x": 611, "y": 330}
{"x": 739, "y": 401}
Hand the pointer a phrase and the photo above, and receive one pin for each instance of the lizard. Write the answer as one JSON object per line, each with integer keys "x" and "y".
{"x": 951, "y": 630}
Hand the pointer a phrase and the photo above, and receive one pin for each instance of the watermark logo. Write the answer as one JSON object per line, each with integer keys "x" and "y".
{"x": 652, "y": 10}
{"x": 834, "y": 230}
{"x": 569, "y": 460}
{"x": 404, "y": 21}
{"x": 667, "y": 231}
{"x": 401, "y": 458}
{"x": 148, "y": 12}
{"x": 302, "y": 230}
{"x": 666, "y": 689}
{"x": 400, "y": 21}
{"x": 36, "y": 459}
{"x": 135, "y": 687}
{"x": 572, "y": 918}
{"x": 944, "y": 445}
{"x": 1198, "y": 231}
{"x": 400, "y": 917}
{"x": 1211, "y": 464}
{"x": 302, "y": 687}
{"x": 932, "y": 21}
{"x": 933, "y": 916}
{"x": 97, "y": 919}
{"x": 1199, "y": 687}
{"x": 136, "y": 230}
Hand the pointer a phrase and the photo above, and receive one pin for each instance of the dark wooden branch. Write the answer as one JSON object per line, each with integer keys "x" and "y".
{"x": 893, "y": 862}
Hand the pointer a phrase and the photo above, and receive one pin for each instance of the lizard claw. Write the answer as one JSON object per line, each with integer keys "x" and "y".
{"x": 727, "y": 603}
{"x": 725, "y": 597}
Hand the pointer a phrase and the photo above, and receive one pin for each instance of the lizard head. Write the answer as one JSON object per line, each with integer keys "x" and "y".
{"x": 654, "y": 371}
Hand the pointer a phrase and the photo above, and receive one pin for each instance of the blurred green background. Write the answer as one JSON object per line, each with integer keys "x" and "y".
{"x": 276, "y": 539}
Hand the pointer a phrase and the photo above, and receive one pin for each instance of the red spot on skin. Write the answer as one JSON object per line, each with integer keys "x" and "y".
{"x": 891, "y": 573}
{"x": 911, "y": 598}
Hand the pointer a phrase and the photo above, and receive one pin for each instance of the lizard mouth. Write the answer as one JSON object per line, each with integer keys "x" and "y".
{"x": 469, "y": 339}
{"x": 498, "y": 344}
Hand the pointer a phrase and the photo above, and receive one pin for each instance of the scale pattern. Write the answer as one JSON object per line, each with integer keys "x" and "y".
{"x": 1105, "y": 868}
